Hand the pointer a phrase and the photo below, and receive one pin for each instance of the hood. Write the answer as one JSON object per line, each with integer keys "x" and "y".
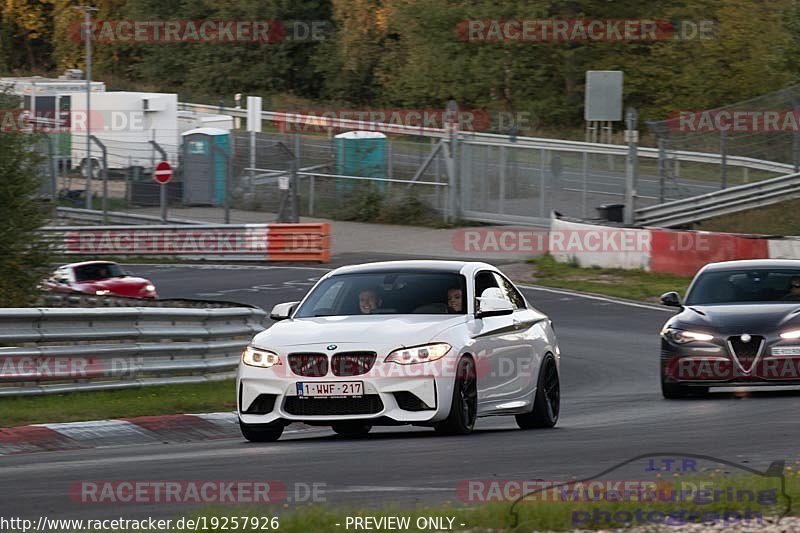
{"x": 395, "y": 330}
{"x": 125, "y": 286}
{"x": 737, "y": 318}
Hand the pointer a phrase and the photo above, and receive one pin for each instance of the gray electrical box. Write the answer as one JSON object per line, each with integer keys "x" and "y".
{"x": 205, "y": 166}
{"x": 603, "y": 96}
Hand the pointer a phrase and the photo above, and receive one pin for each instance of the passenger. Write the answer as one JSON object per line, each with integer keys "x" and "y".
{"x": 455, "y": 300}
{"x": 368, "y": 301}
{"x": 794, "y": 289}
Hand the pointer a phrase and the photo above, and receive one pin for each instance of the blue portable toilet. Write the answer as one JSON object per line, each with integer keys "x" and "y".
{"x": 205, "y": 169}
{"x": 360, "y": 153}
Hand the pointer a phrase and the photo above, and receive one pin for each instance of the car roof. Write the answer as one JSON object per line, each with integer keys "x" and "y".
{"x": 752, "y": 263}
{"x": 415, "y": 265}
{"x": 87, "y": 263}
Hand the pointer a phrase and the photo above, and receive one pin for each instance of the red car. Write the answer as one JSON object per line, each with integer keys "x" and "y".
{"x": 98, "y": 278}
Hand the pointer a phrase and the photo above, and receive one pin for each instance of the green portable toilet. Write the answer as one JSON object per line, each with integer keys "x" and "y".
{"x": 205, "y": 167}
{"x": 360, "y": 153}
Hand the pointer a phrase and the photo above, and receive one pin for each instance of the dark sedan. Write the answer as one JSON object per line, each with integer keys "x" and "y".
{"x": 739, "y": 325}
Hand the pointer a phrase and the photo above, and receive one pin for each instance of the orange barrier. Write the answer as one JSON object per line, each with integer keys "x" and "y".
{"x": 299, "y": 242}
{"x": 270, "y": 242}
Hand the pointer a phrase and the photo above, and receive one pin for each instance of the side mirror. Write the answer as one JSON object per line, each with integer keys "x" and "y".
{"x": 283, "y": 311}
{"x": 671, "y": 299}
{"x": 493, "y": 306}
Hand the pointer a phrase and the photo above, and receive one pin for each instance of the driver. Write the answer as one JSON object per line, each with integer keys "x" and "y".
{"x": 368, "y": 301}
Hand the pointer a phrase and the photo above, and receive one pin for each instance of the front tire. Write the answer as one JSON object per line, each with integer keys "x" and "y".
{"x": 351, "y": 429}
{"x": 547, "y": 401}
{"x": 464, "y": 407}
{"x": 261, "y": 432}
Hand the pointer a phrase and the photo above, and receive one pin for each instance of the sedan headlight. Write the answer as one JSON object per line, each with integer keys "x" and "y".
{"x": 261, "y": 358}
{"x": 680, "y": 336}
{"x": 418, "y": 354}
{"x": 791, "y": 335}
{"x": 150, "y": 288}
{"x": 102, "y": 292}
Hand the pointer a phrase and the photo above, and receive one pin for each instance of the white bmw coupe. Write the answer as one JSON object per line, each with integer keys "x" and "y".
{"x": 428, "y": 343}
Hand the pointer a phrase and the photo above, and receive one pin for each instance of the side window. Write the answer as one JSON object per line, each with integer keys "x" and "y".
{"x": 511, "y": 292}
{"x": 484, "y": 280}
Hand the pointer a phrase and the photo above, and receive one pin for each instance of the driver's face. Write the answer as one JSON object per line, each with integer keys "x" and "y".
{"x": 368, "y": 302}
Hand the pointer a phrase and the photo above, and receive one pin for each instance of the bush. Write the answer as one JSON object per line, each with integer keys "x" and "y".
{"x": 24, "y": 256}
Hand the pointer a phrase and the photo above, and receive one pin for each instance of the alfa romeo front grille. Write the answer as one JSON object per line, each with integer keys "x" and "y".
{"x": 746, "y": 352}
{"x": 311, "y": 365}
{"x": 352, "y": 363}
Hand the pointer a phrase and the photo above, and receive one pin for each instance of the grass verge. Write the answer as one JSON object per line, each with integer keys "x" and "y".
{"x": 762, "y": 497}
{"x": 778, "y": 219}
{"x": 96, "y": 405}
{"x": 631, "y": 284}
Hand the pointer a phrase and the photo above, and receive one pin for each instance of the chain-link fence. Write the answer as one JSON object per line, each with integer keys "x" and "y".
{"x": 408, "y": 178}
{"x": 766, "y": 128}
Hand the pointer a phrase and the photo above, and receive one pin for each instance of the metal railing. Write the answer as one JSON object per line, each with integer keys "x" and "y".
{"x": 71, "y": 214}
{"x": 723, "y": 202}
{"x": 54, "y": 350}
{"x": 497, "y": 139}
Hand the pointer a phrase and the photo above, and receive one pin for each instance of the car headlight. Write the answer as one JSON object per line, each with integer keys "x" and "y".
{"x": 150, "y": 288}
{"x": 102, "y": 292}
{"x": 680, "y": 336}
{"x": 261, "y": 358}
{"x": 791, "y": 335}
{"x": 418, "y": 354}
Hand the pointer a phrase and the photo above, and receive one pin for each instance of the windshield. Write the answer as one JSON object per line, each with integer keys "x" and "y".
{"x": 387, "y": 293}
{"x": 745, "y": 286}
{"x": 98, "y": 271}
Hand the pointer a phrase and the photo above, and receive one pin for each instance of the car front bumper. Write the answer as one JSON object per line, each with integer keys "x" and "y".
{"x": 266, "y": 396}
{"x": 713, "y": 364}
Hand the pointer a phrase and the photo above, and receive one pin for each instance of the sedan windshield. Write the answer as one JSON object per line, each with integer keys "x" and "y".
{"x": 745, "y": 286}
{"x": 387, "y": 293}
{"x": 98, "y": 271}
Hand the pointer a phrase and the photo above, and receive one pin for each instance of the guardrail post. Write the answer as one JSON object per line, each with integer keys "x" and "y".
{"x": 723, "y": 148}
{"x": 105, "y": 176}
{"x": 662, "y": 168}
{"x": 632, "y": 167}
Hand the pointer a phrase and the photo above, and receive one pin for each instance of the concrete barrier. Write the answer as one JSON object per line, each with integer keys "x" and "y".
{"x": 660, "y": 250}
{"x": 260, "y": 242}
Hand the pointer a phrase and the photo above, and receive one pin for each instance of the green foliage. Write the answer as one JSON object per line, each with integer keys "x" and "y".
{"x": 363, "y": 206}
{"x": 381, "y": 53}
{"x": 23, "y": 255}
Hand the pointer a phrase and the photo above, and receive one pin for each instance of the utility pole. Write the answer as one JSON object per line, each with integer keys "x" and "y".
{"x": 87, "y": 35}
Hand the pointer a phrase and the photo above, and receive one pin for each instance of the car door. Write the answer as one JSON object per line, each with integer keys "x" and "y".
{"x": 531, "y": 342}
{"x": 496, "y": 341}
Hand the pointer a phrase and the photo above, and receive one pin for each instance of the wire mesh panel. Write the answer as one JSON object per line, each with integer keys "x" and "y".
{"x": 765, "y": 128}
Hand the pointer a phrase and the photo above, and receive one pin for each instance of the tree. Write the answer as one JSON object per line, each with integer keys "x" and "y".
{"x": 24, "y": 254}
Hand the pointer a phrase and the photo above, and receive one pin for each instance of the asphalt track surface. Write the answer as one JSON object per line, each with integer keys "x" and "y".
{"x": 612, "y": 410}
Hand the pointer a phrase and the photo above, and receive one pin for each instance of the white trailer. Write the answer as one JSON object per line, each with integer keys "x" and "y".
{"x": 126, "y": 123}
{"x": 189, "y": 120}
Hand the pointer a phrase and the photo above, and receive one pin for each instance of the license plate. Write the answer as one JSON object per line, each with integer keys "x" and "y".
{"x": 330, "y": 389}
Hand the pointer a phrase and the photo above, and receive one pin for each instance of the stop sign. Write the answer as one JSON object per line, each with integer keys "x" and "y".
{"x": 163, "y": 172}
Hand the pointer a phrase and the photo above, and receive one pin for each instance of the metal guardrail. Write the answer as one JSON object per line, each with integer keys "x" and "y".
{"x": 115, "y": 217}
{"x": 56, "y": 350}
{"x": 66, "y": 299}
{"x": 499, "y": 140}
{"x": 723, "y": 202}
